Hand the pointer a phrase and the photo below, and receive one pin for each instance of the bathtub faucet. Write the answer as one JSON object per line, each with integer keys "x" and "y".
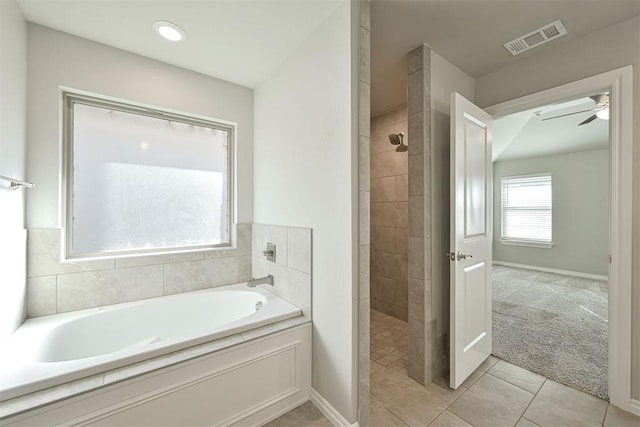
{"x": 266, "y": 280}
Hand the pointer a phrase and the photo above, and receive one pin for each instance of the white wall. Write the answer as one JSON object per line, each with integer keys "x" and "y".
{"x": 445, "y": 79}
{"x": 580, "y": 183}
{"x": 616, "y": 46}
{"x": 304, "y": 171}
{"x": 59, "y": 59}
{"x": 13, "y": 133}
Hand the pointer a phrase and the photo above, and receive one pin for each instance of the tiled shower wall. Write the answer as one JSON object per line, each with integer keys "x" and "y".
{"x": 55, "y": 287}
{"x": 389, "y": 216}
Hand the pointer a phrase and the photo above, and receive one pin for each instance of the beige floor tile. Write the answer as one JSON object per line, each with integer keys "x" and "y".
{"x": 447, "y": 419}
{"x": 517, "y": 376}
{"x": 373, "y": 367}
{"x": 419, "y": 406}
{"x": 387, "y": 360}
{"x": 557, "y": 404}
{"x": 386, "y": 384}
{"x": 480, "y": 371}
{"x": 305, "y": 415}
{"x": 492, "y": 402}
{"x": 381, "y": 417}
{"x": 618, "y": 418}
{"x": 443, "y": 382}
{"x": 526, "y": 423}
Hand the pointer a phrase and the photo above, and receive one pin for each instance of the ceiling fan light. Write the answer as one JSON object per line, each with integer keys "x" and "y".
{"x": 603, "y": 114}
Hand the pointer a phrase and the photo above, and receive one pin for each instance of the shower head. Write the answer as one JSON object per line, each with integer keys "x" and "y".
{"x": 396, "y": 138}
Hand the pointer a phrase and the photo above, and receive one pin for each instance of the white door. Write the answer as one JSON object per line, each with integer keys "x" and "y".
{"x": 471, "y": 238}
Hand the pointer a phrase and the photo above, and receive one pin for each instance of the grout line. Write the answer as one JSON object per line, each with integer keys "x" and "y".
{"x": 394, "y": 415}
{"x": 534, "y": 398}
{"x": 510, "y": 383}
{"x": 56, "y": 276}
{"x": 605, "y": 414}
{"x": 163, "y": 281}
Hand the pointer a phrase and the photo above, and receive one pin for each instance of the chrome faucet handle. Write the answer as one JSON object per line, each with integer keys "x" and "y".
{"x": 270, "y": 252}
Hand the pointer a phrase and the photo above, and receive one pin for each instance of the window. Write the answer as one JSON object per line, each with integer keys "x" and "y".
{"x": 143, "y": 181}
{"x": 526, "y": 209}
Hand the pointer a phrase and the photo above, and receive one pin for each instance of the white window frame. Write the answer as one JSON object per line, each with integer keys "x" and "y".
{"x": 71, "y": 97}
{"x": 534, "y": 243}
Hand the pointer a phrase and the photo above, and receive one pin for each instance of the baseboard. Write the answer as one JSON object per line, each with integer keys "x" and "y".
{"x": 634, "y": 407}
{"x": 329, "y": 411}
{"x": 553, "y": 270}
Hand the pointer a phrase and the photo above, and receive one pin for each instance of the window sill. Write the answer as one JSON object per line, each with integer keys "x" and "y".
{"x": 527, "y": 243}
{"x": 168, "y": 253}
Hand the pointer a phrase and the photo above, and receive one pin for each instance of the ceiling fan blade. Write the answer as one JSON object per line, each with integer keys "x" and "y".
{"x": 589, "y": 120}
{"x": 568, "y": 114}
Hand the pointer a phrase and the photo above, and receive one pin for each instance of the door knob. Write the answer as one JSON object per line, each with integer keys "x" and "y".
{"x": 463, "y": 256}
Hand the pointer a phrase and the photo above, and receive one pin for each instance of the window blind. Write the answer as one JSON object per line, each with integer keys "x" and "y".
{"x": 526, "y": 208}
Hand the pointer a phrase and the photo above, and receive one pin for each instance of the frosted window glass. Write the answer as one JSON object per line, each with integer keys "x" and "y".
{"x": 143, "y": 182}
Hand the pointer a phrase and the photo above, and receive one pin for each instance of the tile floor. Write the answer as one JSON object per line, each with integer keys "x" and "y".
{"x": 496, "y": 394}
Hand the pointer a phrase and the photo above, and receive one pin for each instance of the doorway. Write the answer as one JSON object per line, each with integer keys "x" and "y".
{"x": 551, "y": 241}
{"x": 617, "y": 84}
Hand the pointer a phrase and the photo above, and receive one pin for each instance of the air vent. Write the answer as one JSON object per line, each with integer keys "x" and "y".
{"x": 536, "y": 38}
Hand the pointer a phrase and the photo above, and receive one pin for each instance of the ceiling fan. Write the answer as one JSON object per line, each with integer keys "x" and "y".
{"x": 601, "y": 110}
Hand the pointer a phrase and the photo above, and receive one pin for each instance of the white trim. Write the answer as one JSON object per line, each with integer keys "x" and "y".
{"x": 329, "y": 411}
{"x": 619, "y": 83}
{"x": 552, "y": 270}
{"x": 527, "y": 243}
{"x": 634, "y": 407}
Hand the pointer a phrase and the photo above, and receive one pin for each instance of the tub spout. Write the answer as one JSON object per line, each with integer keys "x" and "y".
{"x": 266, "y": 280}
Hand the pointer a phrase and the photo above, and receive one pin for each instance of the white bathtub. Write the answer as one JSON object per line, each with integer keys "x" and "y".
{"x": 52, "y": 350}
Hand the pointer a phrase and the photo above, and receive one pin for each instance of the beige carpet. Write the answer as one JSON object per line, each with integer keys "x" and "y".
{"x": 554, "y": 325}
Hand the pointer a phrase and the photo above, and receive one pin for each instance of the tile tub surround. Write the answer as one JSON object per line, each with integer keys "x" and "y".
{"x": 292, "y": 267}
{"x": 389, "y": 216}
{"x": 58, "y": 287}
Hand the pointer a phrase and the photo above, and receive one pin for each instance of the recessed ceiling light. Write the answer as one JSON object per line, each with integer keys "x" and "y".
{"x": 169, "y": 31}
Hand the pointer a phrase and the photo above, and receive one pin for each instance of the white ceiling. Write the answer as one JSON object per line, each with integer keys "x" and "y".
{"x": 241, "y": 41}
{"x": 525, "y": 134}
{"x": 471, "y": 33}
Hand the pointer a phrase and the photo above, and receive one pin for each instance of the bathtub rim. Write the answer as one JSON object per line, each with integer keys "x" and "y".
{"x": 227, "y": 337}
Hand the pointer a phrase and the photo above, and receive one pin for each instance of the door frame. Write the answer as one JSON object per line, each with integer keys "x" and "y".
{"x": 619, "y": 83}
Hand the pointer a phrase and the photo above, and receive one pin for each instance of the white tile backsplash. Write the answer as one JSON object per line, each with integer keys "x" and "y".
{"x": 195, "y": 275}
{"x": 293, "y": 267}
{"x": 292, "y": 285}
{"x": 263, "y": 234}
{"x": 77, "y": 291}
{"x": 44, "y": 257}
{"x": 139, "y": 261}
{"x": 41, "y": 296}
{"x": 56, "y": 287}
{"x": 244, "y": 268}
